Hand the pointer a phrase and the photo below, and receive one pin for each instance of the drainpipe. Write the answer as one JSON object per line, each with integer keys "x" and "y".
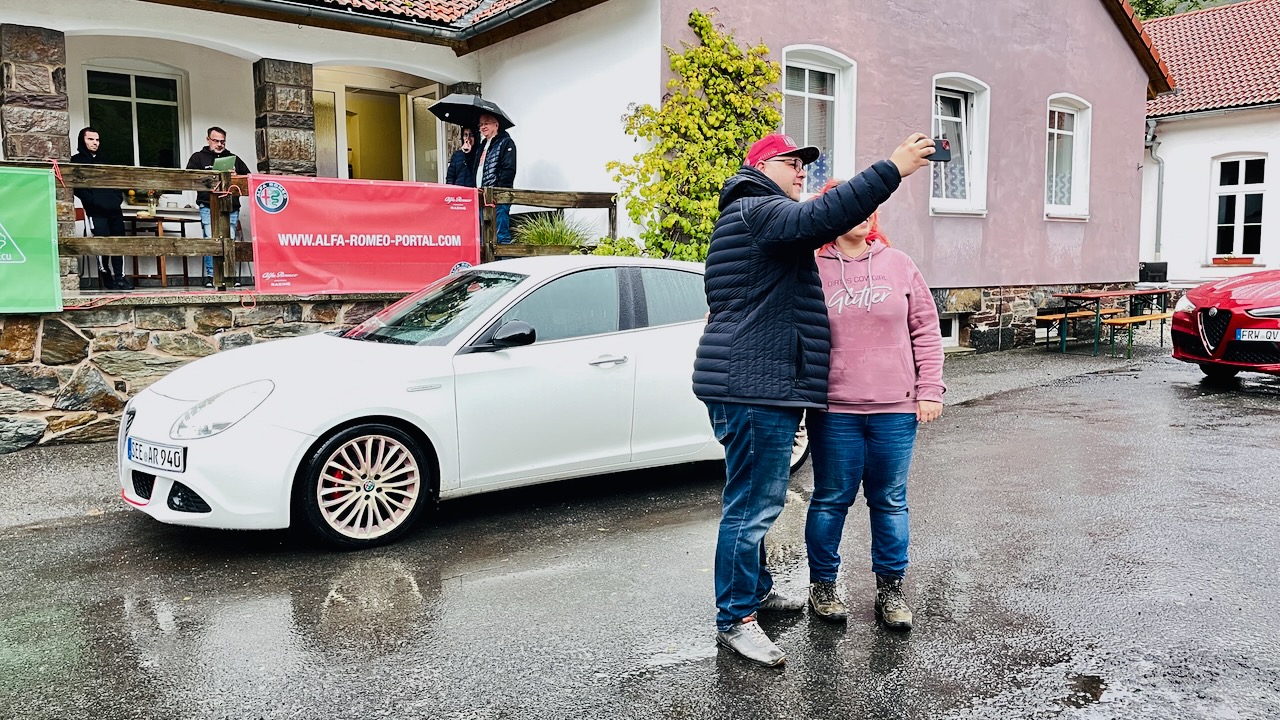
{"x": 1153, "y": 144}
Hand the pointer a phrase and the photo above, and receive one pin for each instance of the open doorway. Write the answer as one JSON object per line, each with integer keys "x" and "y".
{"x": 374, "y": 139}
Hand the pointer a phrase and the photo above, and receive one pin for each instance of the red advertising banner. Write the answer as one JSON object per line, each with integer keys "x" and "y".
{"x": 322, "y": 235}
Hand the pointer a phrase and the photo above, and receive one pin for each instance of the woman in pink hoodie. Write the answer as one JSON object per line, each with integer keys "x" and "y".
{"x": 885, "y": 378}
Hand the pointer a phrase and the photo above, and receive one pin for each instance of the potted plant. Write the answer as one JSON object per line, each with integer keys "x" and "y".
{"x": 549, "y": 234}
{"x": 1230, "y": 259}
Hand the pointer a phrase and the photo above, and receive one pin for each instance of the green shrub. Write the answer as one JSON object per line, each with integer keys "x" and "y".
{"x": 722, "y": 98}
{"x": 624, "y": 246}
{"x": 552, "y": 229}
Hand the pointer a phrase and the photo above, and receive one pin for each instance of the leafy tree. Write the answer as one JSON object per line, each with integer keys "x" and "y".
{"x": 722, "y": 98}
{"x": 1148, "y": 9}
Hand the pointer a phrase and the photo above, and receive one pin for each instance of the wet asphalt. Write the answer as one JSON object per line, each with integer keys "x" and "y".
{"x": 1101, "y": 545}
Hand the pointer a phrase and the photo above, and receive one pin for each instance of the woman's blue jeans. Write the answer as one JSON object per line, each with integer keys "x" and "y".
{"x": 848, "y": 450}
{"x": 757, "y": 442}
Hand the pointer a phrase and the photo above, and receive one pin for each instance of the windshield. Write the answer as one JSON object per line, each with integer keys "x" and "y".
{"x": 438, "y": 312}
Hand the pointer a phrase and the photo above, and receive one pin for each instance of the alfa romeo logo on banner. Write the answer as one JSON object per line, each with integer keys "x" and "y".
{"x": 29, "y": 272}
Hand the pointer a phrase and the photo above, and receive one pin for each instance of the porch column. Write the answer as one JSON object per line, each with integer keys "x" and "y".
{"x": 286, "y": 119}
{"x": 34, "y": 121}
{"x": 466, "y": 88}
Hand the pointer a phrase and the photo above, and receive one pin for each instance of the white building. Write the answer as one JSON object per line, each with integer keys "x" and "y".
{"x": 1211, "y": 179}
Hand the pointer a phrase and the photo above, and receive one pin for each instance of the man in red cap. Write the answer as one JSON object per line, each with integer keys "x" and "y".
{"x": 763, "y": 356}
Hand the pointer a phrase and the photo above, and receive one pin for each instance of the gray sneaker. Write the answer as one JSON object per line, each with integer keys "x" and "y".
{"x": 748, "y": 640}
{"x": 825, "y": 603}
{"x": 774, "y": 602}
{"x": 891, "y": 605}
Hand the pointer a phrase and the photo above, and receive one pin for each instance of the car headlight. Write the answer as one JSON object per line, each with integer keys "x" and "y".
{"x": 1184, "y": 304}
{"x": 215, "y": 414}
{"x": 1271, "y": 312}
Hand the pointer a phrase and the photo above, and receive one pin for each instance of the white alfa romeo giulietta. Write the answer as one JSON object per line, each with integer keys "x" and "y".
{"x": 505, "y": 374}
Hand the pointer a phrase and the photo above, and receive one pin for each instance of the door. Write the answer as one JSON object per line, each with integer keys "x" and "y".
{"x": 426, "y": 135}
{"x": 669, "y": 421}
{"x": 559, "y": 407}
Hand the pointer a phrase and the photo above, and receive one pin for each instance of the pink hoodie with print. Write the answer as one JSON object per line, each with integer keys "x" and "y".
{"x": 886, "y": 347}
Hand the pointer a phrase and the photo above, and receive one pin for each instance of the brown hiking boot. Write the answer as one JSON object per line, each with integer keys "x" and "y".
{"x": 825, "y": 603}
{"x": 891, "y": 605}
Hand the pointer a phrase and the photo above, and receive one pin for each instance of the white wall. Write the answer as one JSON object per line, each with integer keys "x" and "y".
{"x": 1188, "y": 148}
{"x": 567, "y": 86}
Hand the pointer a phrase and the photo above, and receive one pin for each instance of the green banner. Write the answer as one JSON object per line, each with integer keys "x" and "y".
{"x": 29, "y": 271}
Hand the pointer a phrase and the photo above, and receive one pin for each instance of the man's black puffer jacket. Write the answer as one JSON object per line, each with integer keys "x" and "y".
{"x": 767, "y": 341}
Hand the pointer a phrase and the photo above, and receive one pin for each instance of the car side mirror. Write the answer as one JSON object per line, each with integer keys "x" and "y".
{"x": 514, "y": 334}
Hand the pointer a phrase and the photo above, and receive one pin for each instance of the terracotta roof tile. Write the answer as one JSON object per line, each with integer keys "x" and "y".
{"x": 453, "y": 13}
{"x": 1223, "y": 57}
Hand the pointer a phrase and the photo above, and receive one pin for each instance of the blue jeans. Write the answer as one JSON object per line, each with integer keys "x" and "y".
{"x": 205, "y": 222}
{"x": 504, "y": 224}
{"x": 757, "y": 443}
{"x": 848, "y": 450}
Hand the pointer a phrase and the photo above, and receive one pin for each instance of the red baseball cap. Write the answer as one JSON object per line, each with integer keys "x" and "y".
{"x": 771, "y": 146}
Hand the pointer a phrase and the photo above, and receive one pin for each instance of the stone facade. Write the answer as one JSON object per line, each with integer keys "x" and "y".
{"x": 286, "y": 120}
{"x": 34, "y": 121}
{"x": 65, "y": 377}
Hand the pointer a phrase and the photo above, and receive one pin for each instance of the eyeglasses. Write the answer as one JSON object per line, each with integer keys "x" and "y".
{"x": 793, "y": 162}
{"x": 222, "y": 141}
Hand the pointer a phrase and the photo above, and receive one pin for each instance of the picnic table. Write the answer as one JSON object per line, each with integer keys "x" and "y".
{"x": 1144, "y": 306}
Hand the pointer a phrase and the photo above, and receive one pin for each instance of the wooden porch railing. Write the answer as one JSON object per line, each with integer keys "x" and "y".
{"x": 225, "y": 186}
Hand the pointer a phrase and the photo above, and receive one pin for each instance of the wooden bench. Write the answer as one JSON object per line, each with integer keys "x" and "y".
{"x": 1059, "y": 318}
{"x": 1129, "y": 321}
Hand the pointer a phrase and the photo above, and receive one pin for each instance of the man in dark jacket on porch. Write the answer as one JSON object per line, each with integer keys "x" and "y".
{"x": 496, "y": 167}
{"x": 763, "y": 357}
{"x": 202, "y": 159}
{"x": 101, "y": 211}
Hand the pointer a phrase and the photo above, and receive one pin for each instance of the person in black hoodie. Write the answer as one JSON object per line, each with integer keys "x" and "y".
{"x": 764, "y": 354}
{"x": 101, "y": 211}
{"x": 202, "y": 159}
{"x": 462, "y": 170}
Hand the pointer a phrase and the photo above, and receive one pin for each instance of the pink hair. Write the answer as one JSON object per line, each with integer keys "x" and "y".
{"x": 876, "y": 235}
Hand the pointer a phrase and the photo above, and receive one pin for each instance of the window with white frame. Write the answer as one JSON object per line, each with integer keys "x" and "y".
{"x": 1238, "y": 189}
{"x": 137, "y": 115}
{"x": 818, "y": 90}
{"x": 1066, "y": 187}
{"x": 961, "y": 115}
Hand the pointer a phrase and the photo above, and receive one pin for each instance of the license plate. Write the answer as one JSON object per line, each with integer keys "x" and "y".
{"x": 1256, "y": 335}
{"x": 160, "y": 457}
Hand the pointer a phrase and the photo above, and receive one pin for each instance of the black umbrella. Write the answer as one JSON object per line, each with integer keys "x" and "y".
{"x": 465, "y": 110}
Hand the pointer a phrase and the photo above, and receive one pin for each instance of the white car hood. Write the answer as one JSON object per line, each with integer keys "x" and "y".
{"x": 314, "y": 360}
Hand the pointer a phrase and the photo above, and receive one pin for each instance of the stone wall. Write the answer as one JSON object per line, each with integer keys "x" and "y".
{"x": 285, "y": 133}
{"x": 65, "y": 377}
{"x": 1002, "y": 318}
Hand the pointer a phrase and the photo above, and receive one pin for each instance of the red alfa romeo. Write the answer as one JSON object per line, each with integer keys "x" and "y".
{"x": 1231, "y": 325}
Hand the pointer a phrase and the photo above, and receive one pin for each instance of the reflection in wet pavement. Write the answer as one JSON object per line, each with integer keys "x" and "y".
{"x": 1098, "y": 548}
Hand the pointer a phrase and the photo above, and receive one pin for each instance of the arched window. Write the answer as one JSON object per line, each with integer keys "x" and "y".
{"x": 961, "y": 116}
{"x": 819, "y": 88}
{"x": 1066, "y": 178}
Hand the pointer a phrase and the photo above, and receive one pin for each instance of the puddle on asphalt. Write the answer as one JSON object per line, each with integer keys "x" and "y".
{"x": 1083, "y": 690}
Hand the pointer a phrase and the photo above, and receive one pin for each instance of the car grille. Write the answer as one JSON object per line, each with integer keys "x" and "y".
{"x": 1190, "y": 344}
{"x": 1254, "y": 353}
{"x": 1214, "y": 326}
{"x": 143, "y": 483}
{"x": 184, "y": 499}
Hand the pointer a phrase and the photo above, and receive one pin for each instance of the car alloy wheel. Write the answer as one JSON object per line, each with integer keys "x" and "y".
{"x": 365, "y": 486}
{"x": 800, "y": 446}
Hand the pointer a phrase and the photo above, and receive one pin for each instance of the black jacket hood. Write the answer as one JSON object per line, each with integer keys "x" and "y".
{"x": 748, "y": 182}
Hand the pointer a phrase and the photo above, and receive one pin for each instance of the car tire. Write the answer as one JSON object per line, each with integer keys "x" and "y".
{"x": 800, "y": 447}
{"x": 364, "y": 486}
{"x": 1218, "y": 373}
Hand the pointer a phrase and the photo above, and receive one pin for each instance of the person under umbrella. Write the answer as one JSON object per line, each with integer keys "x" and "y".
{"x": 496, "y": 167}
{"x": 462, "y": 163}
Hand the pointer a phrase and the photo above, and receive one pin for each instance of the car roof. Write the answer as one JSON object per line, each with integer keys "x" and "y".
{"x": 546, "y": 265}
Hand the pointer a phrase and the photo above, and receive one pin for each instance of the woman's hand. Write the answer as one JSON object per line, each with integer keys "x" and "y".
{"x": 928, "y": 411}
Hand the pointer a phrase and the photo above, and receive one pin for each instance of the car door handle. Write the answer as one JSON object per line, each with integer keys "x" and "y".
{"x": 608, "y": 360}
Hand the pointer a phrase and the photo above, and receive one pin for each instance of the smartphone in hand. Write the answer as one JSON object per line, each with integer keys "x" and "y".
{"x": 941, "y": 150}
